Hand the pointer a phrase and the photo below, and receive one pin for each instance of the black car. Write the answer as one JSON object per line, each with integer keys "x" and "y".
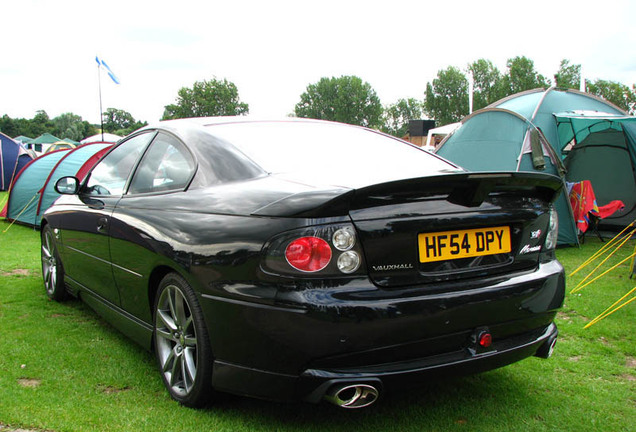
{"x": 306, "y": 260}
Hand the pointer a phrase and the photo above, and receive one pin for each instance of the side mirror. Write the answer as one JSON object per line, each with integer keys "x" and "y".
{"x": 67, "y": 185}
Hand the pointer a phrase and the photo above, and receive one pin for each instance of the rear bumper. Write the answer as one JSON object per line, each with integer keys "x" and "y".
{"x": 312, "y": 384}
{"x": 412, "y": 373}
{"x": 352, "y": 334}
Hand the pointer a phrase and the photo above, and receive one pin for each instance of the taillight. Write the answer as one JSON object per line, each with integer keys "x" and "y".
{"x": 349, "y": 262}
{"x": 309, "y": 254}
{"x": 321, "y": 250}
{"x": 553, "y": 230}
{"x": 344, "y": 239}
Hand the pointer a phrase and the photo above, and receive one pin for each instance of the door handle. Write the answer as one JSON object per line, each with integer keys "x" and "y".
{"x": 102, "y": 225}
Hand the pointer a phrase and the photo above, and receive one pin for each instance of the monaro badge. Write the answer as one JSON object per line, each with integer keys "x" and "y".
{"x": 529, "y": 249}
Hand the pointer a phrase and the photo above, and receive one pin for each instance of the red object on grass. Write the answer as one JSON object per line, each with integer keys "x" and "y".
{"x": 583, "y": 203}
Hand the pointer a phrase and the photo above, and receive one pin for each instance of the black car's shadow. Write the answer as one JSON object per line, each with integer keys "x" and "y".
{"x": 444, "y": 403}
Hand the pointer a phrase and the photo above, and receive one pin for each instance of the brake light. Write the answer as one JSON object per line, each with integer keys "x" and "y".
{"x": 329, "y": 250}
{"x": 309, "y": 254}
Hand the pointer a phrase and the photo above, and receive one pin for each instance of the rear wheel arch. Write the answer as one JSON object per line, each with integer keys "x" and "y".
{"x": 154, "y": 280}
{"x": 180, "y": 340}
{"x": 157, "y": 274}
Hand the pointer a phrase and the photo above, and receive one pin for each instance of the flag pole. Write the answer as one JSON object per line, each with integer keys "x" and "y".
{"x": 100, "y": 64}
{"x": 101, "y": 117}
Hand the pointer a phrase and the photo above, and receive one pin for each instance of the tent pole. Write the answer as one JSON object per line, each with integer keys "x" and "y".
{"x": 471, "y": 89}
{"x": 1, "y": 167}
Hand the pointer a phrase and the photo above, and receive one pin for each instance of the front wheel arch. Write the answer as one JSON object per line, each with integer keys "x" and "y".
{"x": 52, "y": 266}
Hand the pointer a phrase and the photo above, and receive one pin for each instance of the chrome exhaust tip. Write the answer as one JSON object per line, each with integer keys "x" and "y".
{"x": 352, "y": 396}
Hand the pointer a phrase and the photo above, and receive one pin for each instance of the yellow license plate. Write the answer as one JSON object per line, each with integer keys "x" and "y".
{"x": 449, "y": 245}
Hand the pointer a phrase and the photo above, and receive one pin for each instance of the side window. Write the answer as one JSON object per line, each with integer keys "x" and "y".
{"x": 110, "y": 174}
{"x": 166, "y": 166}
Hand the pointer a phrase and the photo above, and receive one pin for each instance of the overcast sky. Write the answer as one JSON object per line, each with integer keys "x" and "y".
{"x": 273, "y": 49}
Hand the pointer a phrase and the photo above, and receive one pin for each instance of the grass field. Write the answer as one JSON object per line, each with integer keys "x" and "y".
{"x": 62, "y": 368}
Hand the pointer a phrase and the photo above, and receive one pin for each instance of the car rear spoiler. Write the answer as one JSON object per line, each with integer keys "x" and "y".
{"x": 468, "y": 189}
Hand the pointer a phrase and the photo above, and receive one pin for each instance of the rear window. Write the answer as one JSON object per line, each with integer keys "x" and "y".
{"x": 328, "y": 153}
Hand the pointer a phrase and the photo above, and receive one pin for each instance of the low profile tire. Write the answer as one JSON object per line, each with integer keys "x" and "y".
{"x": 52, "y": 270}
{"x": 182, "y": 345}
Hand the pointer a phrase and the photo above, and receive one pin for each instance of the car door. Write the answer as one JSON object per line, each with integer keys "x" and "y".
{"x": 143, "y": 228}
{"x": 86, "y": 226}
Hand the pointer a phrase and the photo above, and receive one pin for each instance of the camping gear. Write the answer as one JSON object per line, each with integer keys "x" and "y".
{"x": 13, "y": 157}
{"x": 523, "y": 133}
{"x": 587, "y": 212}
{"x": 604, "y": 152}
{"x": 33, "y": 189}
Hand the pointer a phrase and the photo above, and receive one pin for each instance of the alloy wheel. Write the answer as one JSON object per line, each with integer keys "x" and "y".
{"x": 49, "y": 263}
{"x": 176, "y": 340}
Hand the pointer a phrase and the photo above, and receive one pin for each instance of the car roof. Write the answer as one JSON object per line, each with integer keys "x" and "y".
{"x": 211, "y": 121}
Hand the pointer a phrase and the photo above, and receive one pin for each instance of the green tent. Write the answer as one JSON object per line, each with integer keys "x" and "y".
{"x": 42, "y": 142}
{"x": 45, "y": 138}
{"x": 601, "y": 149}
{"x": 520, "y": 133}
{"x": 23, "y": 139}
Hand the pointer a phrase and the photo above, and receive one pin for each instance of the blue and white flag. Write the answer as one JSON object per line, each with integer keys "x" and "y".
{"x": 102, "y": 63}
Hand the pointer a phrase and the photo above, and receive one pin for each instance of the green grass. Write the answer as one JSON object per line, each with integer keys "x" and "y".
{"x": 62, "y": 368}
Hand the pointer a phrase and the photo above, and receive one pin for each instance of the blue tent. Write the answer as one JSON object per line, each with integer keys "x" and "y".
{"x": 13, "y": 157}
{"x": 33, "y": 189}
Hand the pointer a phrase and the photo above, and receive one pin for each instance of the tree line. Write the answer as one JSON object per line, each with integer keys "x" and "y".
{"x": 349, "y": 99}
{"x": 446, "y": 98}
{"x": 69, "y": 125}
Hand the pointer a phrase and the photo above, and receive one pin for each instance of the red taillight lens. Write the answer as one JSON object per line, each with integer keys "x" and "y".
{"x": 308, "y": 254}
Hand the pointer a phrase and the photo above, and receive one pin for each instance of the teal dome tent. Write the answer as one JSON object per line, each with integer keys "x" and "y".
{"x": 33, "y": 189}
{"x": 523, "y": 133}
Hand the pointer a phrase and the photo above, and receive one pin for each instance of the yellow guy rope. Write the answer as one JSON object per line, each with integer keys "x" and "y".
{"x": 601, "y": 250}
{"x": 20, "y": 214}
{"x": 631, "y": 265}
{"x": 579, "y": 287}
{"x": 613, "y": 308}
